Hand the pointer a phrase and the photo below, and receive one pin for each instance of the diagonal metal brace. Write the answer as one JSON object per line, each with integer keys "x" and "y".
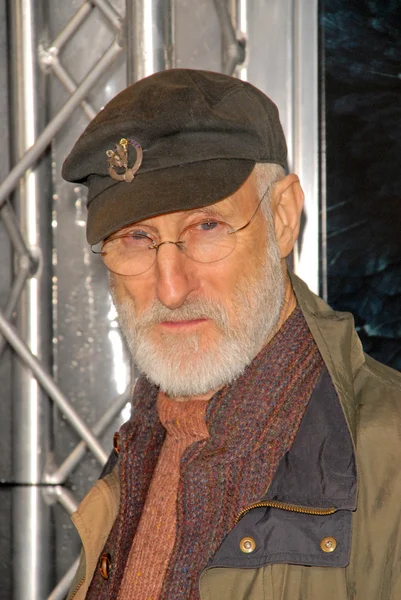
{"x": 44, "y": 139}
{"x": 61, "y": 589}
{"x": 58, "y": 475}
{"x": 52, "y": 389}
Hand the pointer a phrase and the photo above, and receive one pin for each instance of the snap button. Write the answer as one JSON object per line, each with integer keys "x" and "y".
{"x": 328, "y": 544}
{"x": 247, "y": 545}
{"x": 116, "y": 443}
{"x": 104, "y": 565}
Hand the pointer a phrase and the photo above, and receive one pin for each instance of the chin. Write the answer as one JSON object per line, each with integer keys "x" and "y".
{"x": 189, "y": 366}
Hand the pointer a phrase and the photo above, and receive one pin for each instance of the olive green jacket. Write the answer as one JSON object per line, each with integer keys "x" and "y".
{"x": 329, "y": 524}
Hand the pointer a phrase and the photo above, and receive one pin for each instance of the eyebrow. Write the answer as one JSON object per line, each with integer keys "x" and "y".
{"x": 211, "y": 210}
{"x": 205, "y": 210}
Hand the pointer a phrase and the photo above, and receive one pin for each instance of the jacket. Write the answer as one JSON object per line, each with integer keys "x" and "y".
{"x": 329, "y": 524}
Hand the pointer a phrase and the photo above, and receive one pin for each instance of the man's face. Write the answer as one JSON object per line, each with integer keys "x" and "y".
{"x": 193, "y": 327}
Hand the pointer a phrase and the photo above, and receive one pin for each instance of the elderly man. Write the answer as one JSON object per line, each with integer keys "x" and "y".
{"x": 261, "y": 460}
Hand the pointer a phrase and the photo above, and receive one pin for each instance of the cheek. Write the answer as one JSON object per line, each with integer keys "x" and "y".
{"x": 221, "y": 284}
{"x": 132, "y": 289}
{"x": 241, "y": 265}
{"x": 215, "y": 279}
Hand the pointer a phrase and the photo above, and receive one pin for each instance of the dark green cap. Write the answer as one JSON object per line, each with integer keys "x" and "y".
{"x": 176, "y": 140}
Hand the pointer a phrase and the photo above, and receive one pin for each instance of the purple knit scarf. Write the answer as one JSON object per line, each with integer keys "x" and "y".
{"x": 252, "y": 424}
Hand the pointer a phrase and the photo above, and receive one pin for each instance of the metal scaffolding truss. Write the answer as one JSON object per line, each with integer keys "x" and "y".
{"x": 49, "y": 59}
{"x": 129, "y": 36}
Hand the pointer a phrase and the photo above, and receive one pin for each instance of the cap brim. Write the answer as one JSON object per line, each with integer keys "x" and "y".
{"x": 163, "y": 191}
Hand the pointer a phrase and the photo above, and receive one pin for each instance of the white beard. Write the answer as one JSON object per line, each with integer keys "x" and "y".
{"x": 191, "y": 365}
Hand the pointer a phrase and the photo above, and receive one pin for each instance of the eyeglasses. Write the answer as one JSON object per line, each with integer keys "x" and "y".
{"x": 134, "y": 252}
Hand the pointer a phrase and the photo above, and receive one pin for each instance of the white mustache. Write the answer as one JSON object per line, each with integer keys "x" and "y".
{"x": 191, "y": 310}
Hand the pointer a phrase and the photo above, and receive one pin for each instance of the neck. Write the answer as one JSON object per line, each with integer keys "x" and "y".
{"x": 206, "y": 396}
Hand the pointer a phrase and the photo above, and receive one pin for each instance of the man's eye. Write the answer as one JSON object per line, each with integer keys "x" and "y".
{"x": 207, "y": 225}
{"x": 205, "y": 231}
{"x": 136, "y": 239}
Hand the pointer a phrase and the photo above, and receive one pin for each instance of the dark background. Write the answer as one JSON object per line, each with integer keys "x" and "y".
{"x": 361, "y": 112}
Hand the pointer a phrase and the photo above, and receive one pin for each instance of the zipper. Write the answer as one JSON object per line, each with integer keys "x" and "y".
{"x": 285, "y": 506}
{"x": 75, "y": 592}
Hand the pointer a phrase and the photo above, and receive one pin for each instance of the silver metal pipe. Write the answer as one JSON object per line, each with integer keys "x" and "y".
{"x": 14, "y": 232}
{"x": 32, "y": 551}
{"x": 52, "y": 390}
{"x": 42, "y": 142}
{"x": 16, "y": 290}
{"x": 72, "y": 26}
{"x": 64, "y": 470}
{"x": 109, "y": 12}
{"x": 61, "y": 589}
{"x": 239, "y": 14}
{"x": 65, "y": 498}
{"x": 80, "y": 16}
{"x": 149, "y": 37}
{"x": 306, "y": 136}
{"x": 233, "y": 50}
{"x": 25, "y": 263}
{"x": 71, "y": 87}
{"x": 31, "y": 547}
{"x": 225, "y": 21}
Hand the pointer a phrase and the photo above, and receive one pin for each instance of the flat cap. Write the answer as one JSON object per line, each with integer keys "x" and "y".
{"x": 176, "y": 140}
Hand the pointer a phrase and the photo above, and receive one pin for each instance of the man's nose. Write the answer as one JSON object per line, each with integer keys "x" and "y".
{"x": 175, "y": 278}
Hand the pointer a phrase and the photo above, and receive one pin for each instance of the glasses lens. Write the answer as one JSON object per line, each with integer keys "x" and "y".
{"x": 128, "y": 255}
{"x": 204, "y": 242}
{"x": 208, "y": 241}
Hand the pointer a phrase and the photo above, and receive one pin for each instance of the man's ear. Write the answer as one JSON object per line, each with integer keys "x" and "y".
{"x": 287, "y": 202}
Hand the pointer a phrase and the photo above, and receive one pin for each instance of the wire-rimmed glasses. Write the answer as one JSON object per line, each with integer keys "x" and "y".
{"x": 134, "y": 252}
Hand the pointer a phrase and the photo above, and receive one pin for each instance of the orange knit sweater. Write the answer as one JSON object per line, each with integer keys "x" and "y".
{"x": 154, "y": 540}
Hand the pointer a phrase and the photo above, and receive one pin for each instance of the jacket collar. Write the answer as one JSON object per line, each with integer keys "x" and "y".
{"x": 338, "y": 343}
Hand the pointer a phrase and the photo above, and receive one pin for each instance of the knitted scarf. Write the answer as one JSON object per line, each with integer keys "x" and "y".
{"x": 252, "y": 424}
